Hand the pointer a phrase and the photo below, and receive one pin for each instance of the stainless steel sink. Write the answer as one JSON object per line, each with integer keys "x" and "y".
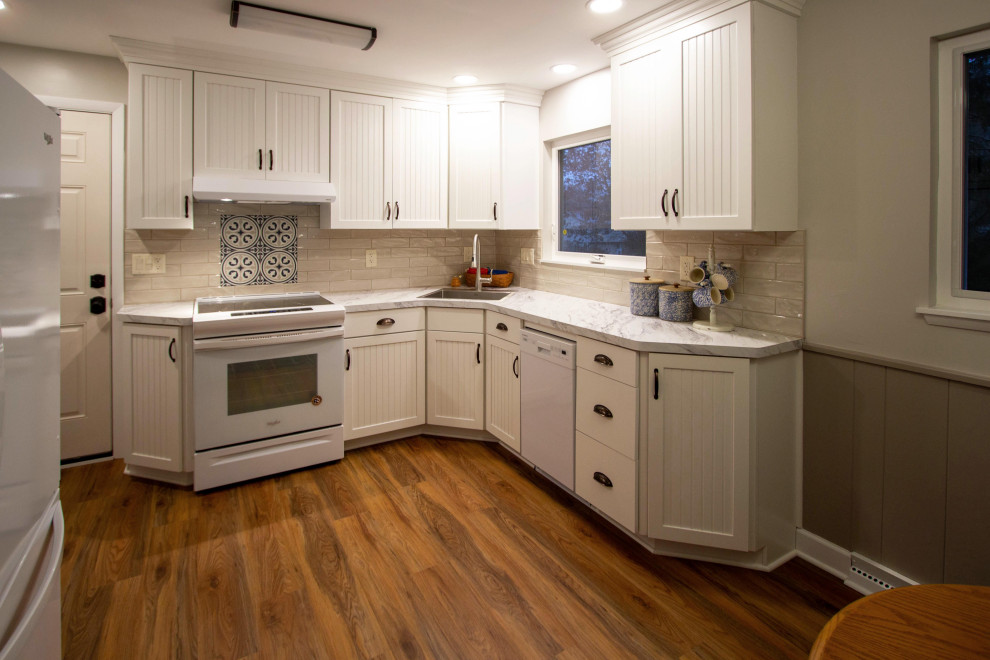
{"x": 466, "y": 294}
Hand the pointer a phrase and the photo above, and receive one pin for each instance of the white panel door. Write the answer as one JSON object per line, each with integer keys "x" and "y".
{"x": 361, "y": 163}
{"x": 502, "y": 391}
{"x": 384, "y": 383}
{"x": 297, "y": 121}
{"x": 419, "y": 165}
{"x": 159, "y": 148}
{"x": 85, "y": 240}
{"x": 475, "y": 165}
{"x": 714, "y": 169}
{"x": 455, "y": 375}
{"x": 229, "y": 116}
{"x": 152, "y": 396}
{"x": 698, "y": 451}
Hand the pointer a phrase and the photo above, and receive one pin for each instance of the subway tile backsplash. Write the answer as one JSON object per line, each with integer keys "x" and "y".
{"x": 769, "y": 294}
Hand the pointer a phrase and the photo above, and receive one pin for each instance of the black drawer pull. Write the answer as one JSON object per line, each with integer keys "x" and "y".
{"x": 477, "y": 354}
{"x": 663, "y": 203}
{"x": 604, "y": 360}
{"x": 186, "y": 205}
{"x": 347, "y": 354}
{"x": 271, "y": 159}
{"x": 656, "y": 383}
{"x": 261, "y": 160}
{"x": 171, "y": 345}
{"x": 515, "y": 366}
{"x": 501, "y": 326}
{"x": 601, "y": 478}
{"x": 386, "y": 322}
{"x": 602, "y": 410}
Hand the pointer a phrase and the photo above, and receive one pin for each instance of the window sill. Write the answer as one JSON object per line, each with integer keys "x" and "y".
{"x": 584, "y": 263}
{"x": 956, "y": 318}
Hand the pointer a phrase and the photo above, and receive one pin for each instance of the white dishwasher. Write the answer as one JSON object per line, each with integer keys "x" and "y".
{"x": 547, "y": 410}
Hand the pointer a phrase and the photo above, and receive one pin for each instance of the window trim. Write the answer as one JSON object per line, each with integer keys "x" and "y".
{"x": 949, "y": 305}
{"x": 551, "y": 254}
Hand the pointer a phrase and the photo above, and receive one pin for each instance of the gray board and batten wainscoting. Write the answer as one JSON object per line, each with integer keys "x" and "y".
{"x": 896, "y": 462}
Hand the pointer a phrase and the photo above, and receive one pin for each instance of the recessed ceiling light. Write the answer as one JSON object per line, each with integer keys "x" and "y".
{"x": 465, "y": 79}
{"x": 226, "y": 199}
{"x": 563, "y": 68}
{"x": 2, "y": 6}
{"x": 604, "y": 6}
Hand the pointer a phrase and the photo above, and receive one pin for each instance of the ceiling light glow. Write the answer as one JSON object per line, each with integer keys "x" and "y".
{"x": 465, "y": 79}
{"x": 2, "y": 6}
{"x": 563, "y": 68}
{"x": 604, "y": 6}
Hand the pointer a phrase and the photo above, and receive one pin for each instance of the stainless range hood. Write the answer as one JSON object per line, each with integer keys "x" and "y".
{"x": 221, "y": 189}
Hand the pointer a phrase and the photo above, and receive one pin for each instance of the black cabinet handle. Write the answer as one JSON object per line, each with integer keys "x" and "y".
{"x": 171, "y": 345}
{"x": 187, "y": 205}
{"x": 602, "y": 410}
{"x": 673, "y": 203}
{"x": 261, "y": 158}
{"x": 501, "y": 326}
{"x": 663, "y": 203}
{"x": 347, "y": 354}
{"x": 477, "y": 354}
{"x": 396, "y": 210}
{"x": 604, "y": 360}
{"x": 386, "y": 322}
{"x": 388, "y": 211}
{"x": 495, "y": 210}
{"x": 271, "y": 159}
{"x": 601, "y": 478}
{"x": 515, "y": 366}
{"x": 656, "y": 383}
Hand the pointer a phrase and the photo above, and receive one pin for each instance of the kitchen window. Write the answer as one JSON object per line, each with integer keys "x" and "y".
{"x": 961, "y": 296}
{"x": 580, "y": 219}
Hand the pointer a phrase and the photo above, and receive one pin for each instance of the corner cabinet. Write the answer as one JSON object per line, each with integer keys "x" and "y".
{"x": 455, "y": 369}
{"x": 389, "y": 163}
{"x": 159, "y": 148}
{"x": 152, "y": 397}
{"x": 704, "y": 125}
{"x": 494, "y": 166}
{"x": 253, "y": 129}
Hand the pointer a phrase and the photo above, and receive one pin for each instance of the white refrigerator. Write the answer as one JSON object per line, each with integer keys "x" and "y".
{"x": 31, "y": 525}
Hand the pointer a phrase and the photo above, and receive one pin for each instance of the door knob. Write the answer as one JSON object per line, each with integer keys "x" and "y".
{"x": 97, "y": 305}
{"x": 97, "y": 281}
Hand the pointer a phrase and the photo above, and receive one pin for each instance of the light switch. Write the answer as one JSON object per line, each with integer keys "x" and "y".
{"x": 527, "y": 255}
{"x": 147, "y": 264}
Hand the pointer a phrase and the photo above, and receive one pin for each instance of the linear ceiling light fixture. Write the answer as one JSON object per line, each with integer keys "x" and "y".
{"x": 280, "y": 21}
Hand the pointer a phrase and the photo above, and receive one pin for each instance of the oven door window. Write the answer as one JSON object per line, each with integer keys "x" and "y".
{"x": 271, "y": 383}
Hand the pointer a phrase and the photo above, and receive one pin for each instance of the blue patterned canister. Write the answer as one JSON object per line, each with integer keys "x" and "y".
{"x": 674, "y": 303}
{"x": 643, "y": 296}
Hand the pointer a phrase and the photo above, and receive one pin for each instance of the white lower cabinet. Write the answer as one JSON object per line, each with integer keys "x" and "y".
{"x": 699, "y": 461}
{"x": 152, "y": 391}
{"x": 456, "y": 379}
{"x": 384, "y": 387}
{"x": 502, "y": 391}
{"x": 606, "y": 479}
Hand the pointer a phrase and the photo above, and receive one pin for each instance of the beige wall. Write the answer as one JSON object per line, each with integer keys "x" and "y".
{"x": 865, "y": 177}
{"x": 48, "y": 72}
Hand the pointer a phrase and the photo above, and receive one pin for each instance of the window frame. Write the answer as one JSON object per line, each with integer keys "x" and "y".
{"x": 950, "y": 305}
{"x": 550, "y": 248}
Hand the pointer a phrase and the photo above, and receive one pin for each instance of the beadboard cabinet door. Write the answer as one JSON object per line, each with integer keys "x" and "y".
{"x": 475, "y": 165}
{"x": 698, "y": 451}
{"x": 229, "y": 116}
{"x": 502, "y": 391}
{"x": 297, "y": 132}
{"x": 152, "y": 396}
{"x": 455, "y": 379}
{"x": 384, "y": 383}
{"x": 419, "y": 165}
{"x": 159, "y": 148}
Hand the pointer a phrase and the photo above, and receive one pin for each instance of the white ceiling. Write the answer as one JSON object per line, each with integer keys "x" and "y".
{"x": 423, "y": 41}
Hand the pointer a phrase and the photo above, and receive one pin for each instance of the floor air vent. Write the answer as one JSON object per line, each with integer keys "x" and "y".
{"x": 869, "y": 577}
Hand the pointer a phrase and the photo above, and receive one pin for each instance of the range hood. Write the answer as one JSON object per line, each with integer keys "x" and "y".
{"x": 220, "y": 189}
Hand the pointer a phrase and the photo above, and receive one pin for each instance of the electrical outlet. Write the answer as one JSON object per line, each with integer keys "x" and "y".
{"x": 370, "y": 258}
{"x": 687, "y": 263}
{"x": 147, "y": 264}
{"x": 527, "y": 255}
{"x": 467, "y": 254}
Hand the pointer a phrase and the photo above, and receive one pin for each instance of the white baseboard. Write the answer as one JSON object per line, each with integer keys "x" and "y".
{"x": 856, "y": 571}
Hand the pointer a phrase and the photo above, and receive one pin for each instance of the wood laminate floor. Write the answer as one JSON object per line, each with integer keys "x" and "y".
{"x": 421, "y": 548}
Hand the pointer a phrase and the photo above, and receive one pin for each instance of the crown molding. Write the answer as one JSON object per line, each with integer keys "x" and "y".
{"x": 674, "y": 14}
{"x": 490, "y": 93}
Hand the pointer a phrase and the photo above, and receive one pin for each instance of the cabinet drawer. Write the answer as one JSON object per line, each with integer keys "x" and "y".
{"x": 618, "y": 500}
{"x": 608, "y": 360}
{"x": 384, "y": 322}
{"x": 503, "y": 326}
{"x": 453, "y": 319}
{"x": 598, "y": 398}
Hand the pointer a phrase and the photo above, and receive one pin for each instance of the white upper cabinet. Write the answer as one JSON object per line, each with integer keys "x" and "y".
{"x": 704, "y": 126}
{"x": 389, "y": 163}
{"x": 159, "y": 148}
{"x": 252, "y": 129}
{"x": 494, "y": 166}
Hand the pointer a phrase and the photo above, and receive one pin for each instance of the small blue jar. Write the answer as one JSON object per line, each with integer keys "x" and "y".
{"x": 643, "y": 296}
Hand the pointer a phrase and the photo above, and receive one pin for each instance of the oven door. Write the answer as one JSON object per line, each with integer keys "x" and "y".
{"x": 262, "y": 386}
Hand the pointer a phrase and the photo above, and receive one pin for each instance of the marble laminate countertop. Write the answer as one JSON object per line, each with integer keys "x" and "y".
{"x": 613, "y": 324}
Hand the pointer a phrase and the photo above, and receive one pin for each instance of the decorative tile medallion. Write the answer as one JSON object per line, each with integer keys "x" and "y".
{"x": 258, "y": 249}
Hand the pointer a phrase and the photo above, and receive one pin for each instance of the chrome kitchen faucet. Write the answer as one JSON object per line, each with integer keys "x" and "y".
{"x": 476, "y": 264}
